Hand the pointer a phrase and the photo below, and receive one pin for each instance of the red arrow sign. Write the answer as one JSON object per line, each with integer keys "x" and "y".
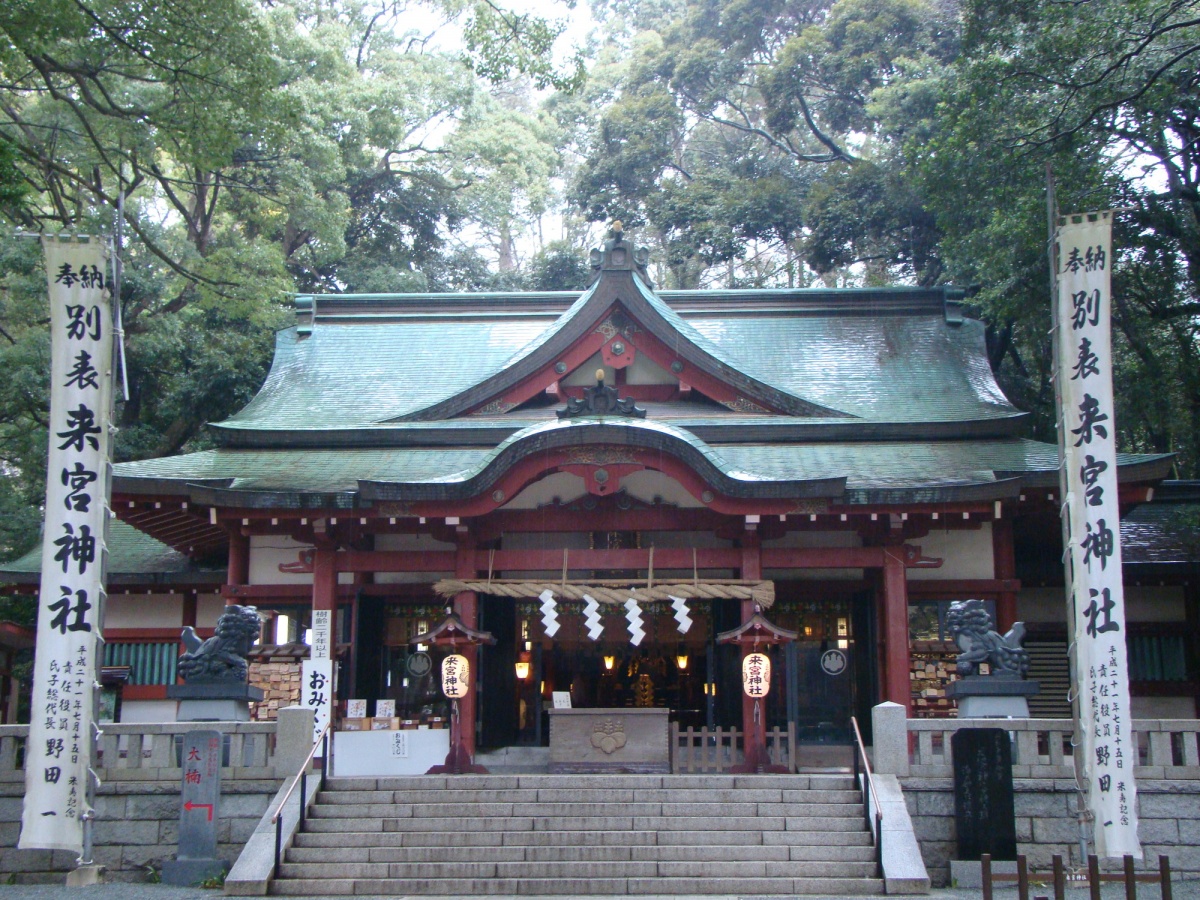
{"x": 189, "y": 806}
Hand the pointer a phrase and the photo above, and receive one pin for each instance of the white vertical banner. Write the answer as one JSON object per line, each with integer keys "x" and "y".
{"x": 322, "y": 633}
{"x": 1089, "y": 440}
{"x": 316, "y": 691}
{"x": 73, "y": 555}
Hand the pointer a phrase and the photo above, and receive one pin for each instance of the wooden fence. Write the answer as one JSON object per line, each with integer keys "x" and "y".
{"x": 719, "y": 749}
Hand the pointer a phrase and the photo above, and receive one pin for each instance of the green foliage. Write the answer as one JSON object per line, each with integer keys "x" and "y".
{"x": 559, "y": 267}
{"x": 506, "y": 43}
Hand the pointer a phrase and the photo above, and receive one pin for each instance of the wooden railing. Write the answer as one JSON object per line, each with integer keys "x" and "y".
{"x": 1166, "y": 748}
{"x": 141, "y": 751}
{"x": 718, "y": 749}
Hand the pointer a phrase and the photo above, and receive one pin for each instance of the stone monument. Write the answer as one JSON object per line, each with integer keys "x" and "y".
{"x": 199, "y": 811}
{"x": 215, "y": 671}
{"x": 1003, "y": 691}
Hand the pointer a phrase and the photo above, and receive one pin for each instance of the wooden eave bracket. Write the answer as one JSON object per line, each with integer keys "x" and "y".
{"x": 758, "y": 629}
{"x": 452, "y": 631}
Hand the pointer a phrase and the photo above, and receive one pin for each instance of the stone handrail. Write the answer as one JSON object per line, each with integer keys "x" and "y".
{"x": 1166, "y": 748}
{"x": 150, "y": 751}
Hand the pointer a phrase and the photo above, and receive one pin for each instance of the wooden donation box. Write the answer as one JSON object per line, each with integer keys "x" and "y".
{"x": 610, "y": 740}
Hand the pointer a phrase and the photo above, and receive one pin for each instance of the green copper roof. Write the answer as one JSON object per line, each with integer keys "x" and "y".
{"x": 888, "y": 360}
{"x": 866, "y": 466}
{"x": 133, "y": 557}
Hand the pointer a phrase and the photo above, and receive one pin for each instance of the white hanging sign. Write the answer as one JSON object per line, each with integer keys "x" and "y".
{"x": 756, "y": 675}
{"x": 322, "y": 633}
{"x": 73, "y": 551}
{"x": 316, "y": 691}
{"x": 456, "y": 676}
{"x": 1088, "y": 437}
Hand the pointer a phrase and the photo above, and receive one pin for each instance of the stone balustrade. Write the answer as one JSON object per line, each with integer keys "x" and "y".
{"x": 1167, "y": 748}
{"x": 145, "y": 751}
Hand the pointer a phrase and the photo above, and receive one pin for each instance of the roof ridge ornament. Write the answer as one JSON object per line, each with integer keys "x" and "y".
{"x": 601, "y": 400}
{"x": 618, "y": 255}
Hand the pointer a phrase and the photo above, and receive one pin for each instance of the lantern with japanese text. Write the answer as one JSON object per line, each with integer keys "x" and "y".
{"x": 456, "y": 676}
{"x": 756, "y": 675}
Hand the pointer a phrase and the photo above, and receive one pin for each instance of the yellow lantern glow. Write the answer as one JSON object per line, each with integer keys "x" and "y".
{"x": 682, "y": 662}
{"x": 609, "y": 662}
{"x": 756, "y": 675}
{"x": 456, "y": 676}
{"x": 522, "y": 668}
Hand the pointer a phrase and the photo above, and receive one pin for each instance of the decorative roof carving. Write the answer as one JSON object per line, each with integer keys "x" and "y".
{"x": 601, "y": 400}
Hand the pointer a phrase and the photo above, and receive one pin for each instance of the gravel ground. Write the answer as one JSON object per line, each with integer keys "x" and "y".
{"x": 1187, "y": 890}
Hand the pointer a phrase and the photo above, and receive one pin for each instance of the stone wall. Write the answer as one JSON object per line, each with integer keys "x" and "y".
{"x": 1169, "y": 823}
{"x": 137, "y": 828}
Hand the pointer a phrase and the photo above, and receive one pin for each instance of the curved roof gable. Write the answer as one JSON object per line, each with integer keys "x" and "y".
{"x": 621, "y": 300}
{"x": 381, "y": 369}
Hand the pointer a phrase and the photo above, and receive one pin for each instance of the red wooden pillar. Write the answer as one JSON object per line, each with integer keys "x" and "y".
{"x": 325, "y": 579}
{"x": 238, "y": 568}
{"x": 755, "y": 732}
{"x": 466, "y": 605}
{"x": 1005, "y": 567}
{"x": 896, "y": 683}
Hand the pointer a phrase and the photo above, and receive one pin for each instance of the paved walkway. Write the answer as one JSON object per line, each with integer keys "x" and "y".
{"x": 1186, "y": 890}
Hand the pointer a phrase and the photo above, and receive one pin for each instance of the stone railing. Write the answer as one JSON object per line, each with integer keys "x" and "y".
{"x": 151, "y": 751}
{"x": 1166, "y": 748}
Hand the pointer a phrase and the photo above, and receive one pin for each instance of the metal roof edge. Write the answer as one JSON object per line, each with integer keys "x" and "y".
{"x": 898, "y": 299}
{"x": 632, "y": 433}
{"x": 457, "y": 431}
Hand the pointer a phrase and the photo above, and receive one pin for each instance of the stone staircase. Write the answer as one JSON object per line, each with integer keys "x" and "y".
{"x": 584, "y": 834}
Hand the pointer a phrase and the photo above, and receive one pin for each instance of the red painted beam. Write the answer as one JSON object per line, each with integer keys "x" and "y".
{"x": 971, "y": 587}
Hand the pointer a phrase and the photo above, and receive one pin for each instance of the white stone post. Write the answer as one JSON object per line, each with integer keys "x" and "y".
{"x": 889, "y": 723}
{"x": 293, "y": 739}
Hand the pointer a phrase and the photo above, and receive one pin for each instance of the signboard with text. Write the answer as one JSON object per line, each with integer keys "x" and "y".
{"x": 73, "y": 552}
{"x": 1084, "y": 371}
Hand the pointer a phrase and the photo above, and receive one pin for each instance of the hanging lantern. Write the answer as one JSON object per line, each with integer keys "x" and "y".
{"x": 756, "y": 675}
{"x": 456, "y": 676}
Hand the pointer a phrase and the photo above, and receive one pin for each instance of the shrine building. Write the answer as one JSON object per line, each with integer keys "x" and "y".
{"x": 840, "y": 462}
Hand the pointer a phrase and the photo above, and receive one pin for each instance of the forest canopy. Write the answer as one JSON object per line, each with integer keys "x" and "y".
{"x": 263, "y": 148}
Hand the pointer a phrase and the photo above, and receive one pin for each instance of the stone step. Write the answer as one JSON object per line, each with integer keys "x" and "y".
{"x": 333, "y": 855}
{"x": 832, "y": 887}
{"x": 837, "y": 824}
{"x": 558, "y": 795}
{"x": 540, "y": 835}
{"x": 497, "y": 838}
{"x": 572, "y": 870}
{"x": 433, "y": 783}
{"x": 320, "y": 834}
{"x": 584, "y": 810}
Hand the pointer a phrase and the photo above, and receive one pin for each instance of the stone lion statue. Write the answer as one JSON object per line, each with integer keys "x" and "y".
{"x": 971, "y": 626}
{"x": 221, "y": 658}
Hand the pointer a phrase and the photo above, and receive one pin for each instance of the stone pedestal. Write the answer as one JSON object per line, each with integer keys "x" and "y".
{"x": 610, "y": 740}
{"x": 214, "y": 702}
{"x": 992, "y": 697}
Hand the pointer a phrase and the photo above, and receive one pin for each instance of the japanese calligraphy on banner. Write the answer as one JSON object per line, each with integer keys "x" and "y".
{"x": 72, "y": 587}
{"x": 1089, "y": 442}
{"x": 756, "y": 675}
{"x": 316, "y": 691}
{"x": 322, "y": 633}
